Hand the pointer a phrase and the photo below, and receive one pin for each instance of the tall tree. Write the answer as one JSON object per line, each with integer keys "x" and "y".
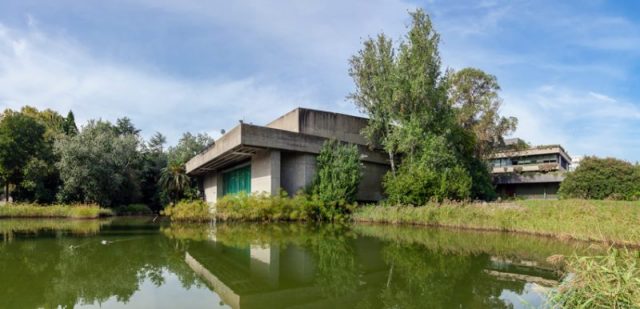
{"x": 188, "y": 146}
{"x": 21, "y": 141}
{"x": 174, "y": 180}
{"x": 70, "y": 127}
{"x": 99, "y": 165}
{"x": 474, "y": 95}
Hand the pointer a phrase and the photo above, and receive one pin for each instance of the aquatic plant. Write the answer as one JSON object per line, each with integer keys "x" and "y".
{"x": 189, "y": 210}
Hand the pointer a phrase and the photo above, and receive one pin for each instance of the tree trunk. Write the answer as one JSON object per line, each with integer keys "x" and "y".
{"x": 392, "y": 162}
{"x": 6, "y": 192}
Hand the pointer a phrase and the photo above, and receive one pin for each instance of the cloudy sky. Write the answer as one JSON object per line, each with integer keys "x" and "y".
{"x": 569, "y": 70}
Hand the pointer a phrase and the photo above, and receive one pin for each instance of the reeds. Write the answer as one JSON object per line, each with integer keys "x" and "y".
{"x": 611, "y": 222}
{"x": 607, "y": 281}
{"x": 79, "y": 211}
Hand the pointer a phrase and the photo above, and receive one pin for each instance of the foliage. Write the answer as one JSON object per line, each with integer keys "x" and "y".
{"x": 598, "y": 178}
{"x": 174, "y": 180}
{"x": 21, "y": 142}
{"x": 612, "y": 222}
{"x": 413, "y": 107}
{"x": 133, "y": 209}
{"x": 27, "y": 146}
{"x": 435, "y": 175}
{"x": 188, "y": 146}
{"x": 189, "y": 210}
{"x": 54, "y": 211}
{"x": 264, "y": 207}
{"x": 281, "y": 207}
{"x": 474, "y": 95}
{"x": 99, "y": 165}
{"x": 338, "y": 172}
{"x": 609, "y": 281}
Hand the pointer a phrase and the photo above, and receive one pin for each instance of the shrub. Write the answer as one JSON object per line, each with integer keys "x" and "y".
{"x": 133, "y": 210}
{"x": 189, "y": 210}
{"x": 609, "y": 281}
{"x": 281, "y": 207}
{"x": 436, "y": 175}
{"x": 598, "y": 178}
{"x": 335, "y": 184}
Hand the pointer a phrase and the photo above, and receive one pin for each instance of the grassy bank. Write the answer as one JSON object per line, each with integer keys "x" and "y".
{"x": 612, "y": 222}
{"x": 53, "y": 211}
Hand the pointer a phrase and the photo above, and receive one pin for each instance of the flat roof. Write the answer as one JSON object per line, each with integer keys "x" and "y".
{"x": 243, "y": 141}
{"x": 538, "y": 150}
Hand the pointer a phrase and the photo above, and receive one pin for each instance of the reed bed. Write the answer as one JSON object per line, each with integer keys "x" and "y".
{"x": 79, "y": 211}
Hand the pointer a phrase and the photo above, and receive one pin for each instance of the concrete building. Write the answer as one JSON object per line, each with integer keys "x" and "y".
{"x": 282, "y": 155}
{"x": 535, "y": 172}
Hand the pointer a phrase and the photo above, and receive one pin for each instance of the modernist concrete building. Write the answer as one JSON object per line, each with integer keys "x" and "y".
{"x": 282, "y": 155}
{"x": 535, "y": 172}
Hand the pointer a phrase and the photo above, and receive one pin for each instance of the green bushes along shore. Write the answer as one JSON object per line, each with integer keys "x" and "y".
{"x": 80, "y": 211}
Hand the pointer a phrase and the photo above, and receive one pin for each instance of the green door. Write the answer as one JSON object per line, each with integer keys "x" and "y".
{"x": 236, "y": 181}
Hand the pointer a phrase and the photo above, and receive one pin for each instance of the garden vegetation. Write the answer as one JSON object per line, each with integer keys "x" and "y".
{"x": 87, "y": 211}
{"x": 598, "y": 178}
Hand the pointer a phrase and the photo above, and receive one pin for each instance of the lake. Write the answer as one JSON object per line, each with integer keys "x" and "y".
{"x": 138, "y": 263}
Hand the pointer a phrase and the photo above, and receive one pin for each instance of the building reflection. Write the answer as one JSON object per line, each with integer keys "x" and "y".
{"x": 363, "y": 272}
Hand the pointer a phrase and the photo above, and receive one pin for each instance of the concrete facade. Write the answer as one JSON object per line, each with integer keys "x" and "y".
{"x": 282, "y": 154}
{"x": 530, "y": 173}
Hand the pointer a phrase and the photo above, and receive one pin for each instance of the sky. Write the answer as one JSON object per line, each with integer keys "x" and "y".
{"x": 569, "y": 70}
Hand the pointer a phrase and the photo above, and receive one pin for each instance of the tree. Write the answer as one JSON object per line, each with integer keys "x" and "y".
{"x": 99, "y": 165}
{"x": 21, "y": 142}
{"x": 174, "y": 180}
{"x": 156, "y": 143}
{"x": 124, "y": 126}
{"x": 188, "y": 146}
{"x": 474, "y": 95}
{"x": 154, "y": 159}
{"x": 598, "y": 178}
{"x": 70, "y": 128}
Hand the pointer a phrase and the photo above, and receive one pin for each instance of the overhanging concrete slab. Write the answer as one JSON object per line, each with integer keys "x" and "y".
{"x": 245, "y": 140}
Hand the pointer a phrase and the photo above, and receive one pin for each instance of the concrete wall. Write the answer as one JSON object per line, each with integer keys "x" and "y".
{"x": 297, "y": 171}
{"x": 265, "y": 172}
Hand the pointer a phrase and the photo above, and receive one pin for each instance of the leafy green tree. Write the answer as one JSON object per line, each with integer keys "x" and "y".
{"x": 337, "y": 178}
{"x": 474, "y": 95}
{"x": 188, "y": 146}
{"x": 598, "y": 178}
{"x": 21, "y": 141}
{"x": 437, "y": 127}
{"x": 99, "y": 165}
{"x": 154, "y": 159}
{"x": 174, "y": 180}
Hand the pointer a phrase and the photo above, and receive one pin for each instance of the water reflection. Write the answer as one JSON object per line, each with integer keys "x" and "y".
{"x": 145, "y": 264}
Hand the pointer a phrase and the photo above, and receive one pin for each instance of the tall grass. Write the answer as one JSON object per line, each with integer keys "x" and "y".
{"x": 608, "y": 281}
{"x": 612, "y": 222}
{"x": 80, "y": 211}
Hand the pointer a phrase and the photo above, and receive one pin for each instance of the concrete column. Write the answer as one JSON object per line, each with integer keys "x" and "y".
{"x": 265, "y": 172}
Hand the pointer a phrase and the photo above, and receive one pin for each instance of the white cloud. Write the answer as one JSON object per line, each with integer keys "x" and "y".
{"x": 57, "y": 73}
{"x": 585, "y": 122}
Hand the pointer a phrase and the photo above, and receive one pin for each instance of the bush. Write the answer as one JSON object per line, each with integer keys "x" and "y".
{"x": 134, "y": 210}
{"x": 192, "y": 211}
{"x": 335, "y": 184}
{"x": 609, "y": 281}
{"x": 281, "y": 207}
{"x": 82, "y": 211}
{"x": 598, "y": 178}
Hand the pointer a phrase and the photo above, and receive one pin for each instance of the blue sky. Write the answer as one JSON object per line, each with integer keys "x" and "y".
{"x": 569, "y": 70}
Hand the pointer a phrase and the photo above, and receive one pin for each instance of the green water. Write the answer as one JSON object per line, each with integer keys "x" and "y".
{"x": 137, "y": 263}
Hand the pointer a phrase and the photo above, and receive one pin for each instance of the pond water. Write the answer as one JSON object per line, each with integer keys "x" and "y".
{"x": 138, "y": 263}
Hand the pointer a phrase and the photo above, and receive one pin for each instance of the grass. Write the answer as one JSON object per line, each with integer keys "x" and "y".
{"x": 607, "y": 281}
{"x": 80, "y": 211}
{"x": 611, "y": 222}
